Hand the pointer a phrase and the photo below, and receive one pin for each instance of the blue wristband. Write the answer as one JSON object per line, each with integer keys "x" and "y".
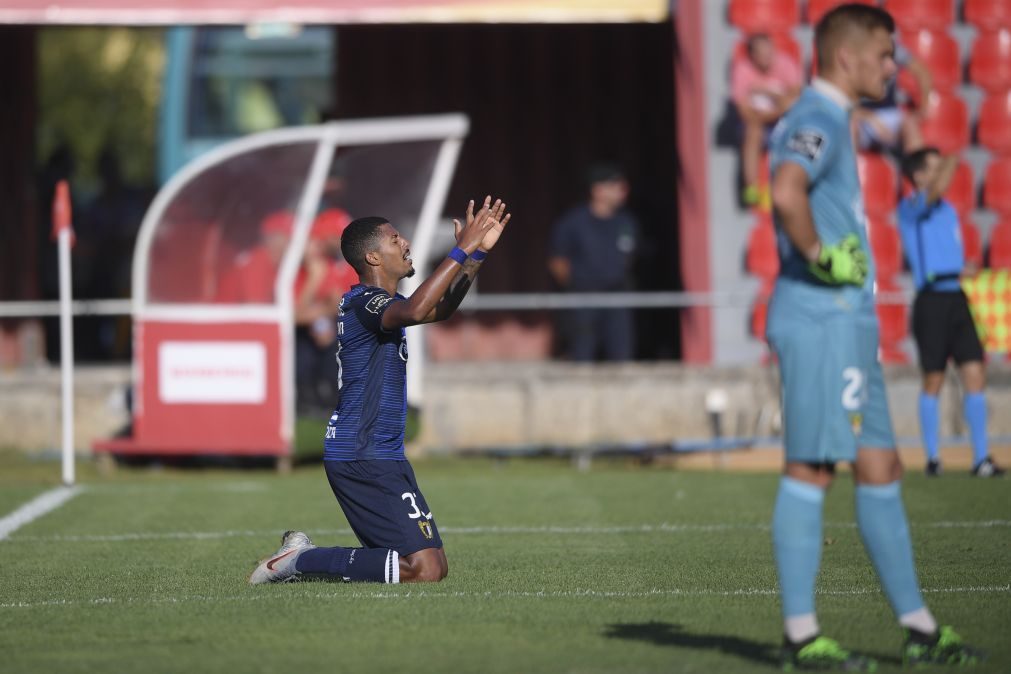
{"x": 478, "y": 255}
{"x": 458, "y": 255}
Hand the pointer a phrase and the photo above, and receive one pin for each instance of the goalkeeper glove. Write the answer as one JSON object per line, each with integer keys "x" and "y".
{"x": 842, "y": 263}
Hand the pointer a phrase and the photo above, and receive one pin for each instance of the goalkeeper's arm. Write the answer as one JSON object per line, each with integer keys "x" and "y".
{"x": 844, "y": 262}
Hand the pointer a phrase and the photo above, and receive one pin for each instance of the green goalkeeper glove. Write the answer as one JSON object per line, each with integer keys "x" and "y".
{"x": 843, "y": 263}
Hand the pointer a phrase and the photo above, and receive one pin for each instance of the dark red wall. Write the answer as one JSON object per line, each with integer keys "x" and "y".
{"x": 544, "y": 101}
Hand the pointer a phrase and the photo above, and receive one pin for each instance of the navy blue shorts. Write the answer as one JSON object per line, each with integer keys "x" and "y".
{"x": 383, "y": 504}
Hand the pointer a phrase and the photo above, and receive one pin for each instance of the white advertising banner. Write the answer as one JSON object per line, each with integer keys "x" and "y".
{"x": 212, "y": 372}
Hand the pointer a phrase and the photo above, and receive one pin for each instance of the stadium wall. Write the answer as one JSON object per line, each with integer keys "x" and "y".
{"x": 503, "y": 405}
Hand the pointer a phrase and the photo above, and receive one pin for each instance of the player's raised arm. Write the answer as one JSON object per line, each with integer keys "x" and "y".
{"x": 421, "y": 306}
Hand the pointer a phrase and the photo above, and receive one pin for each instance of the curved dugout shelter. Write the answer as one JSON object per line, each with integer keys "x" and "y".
{"x": 216, "y": 261}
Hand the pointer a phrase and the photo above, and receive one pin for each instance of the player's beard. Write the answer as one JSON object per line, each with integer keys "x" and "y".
{"x": 410, "y": 272}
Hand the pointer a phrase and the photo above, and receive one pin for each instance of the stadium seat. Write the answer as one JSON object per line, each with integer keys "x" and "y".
{"x": 995, "y": 123}
{"x": 988, "y": 14}
{"x": 945, "y": 123}
{"x": 915, "y": 14}
{"x": 939, "y": 52}
{"x": 990, "y": 64}
{"x": 1000, "y": 245}
{"x": 893, "y": 321}
{"x": 761, "y": 257}
{"x": 878, "y": 182}
{"x": 818, "y": 8}
{"x": 784, "y": 42}
{"x": 886, "y": 245}
{"x": 997, "y": 185}
{"x": 764, "y": 16}
{"x": 972, "y": 243}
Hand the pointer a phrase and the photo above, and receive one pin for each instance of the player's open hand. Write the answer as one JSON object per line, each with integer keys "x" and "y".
{"x": 470, "y": 235}
{"x": 500, "y": 219}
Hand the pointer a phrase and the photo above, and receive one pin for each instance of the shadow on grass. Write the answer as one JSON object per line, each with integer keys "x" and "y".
{"x": 668, "y": 634}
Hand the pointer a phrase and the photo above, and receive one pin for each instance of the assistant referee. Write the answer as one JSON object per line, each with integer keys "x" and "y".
{"x": 942, "y": 324}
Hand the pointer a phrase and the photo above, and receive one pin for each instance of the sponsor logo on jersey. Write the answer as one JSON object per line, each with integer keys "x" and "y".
{"x": 377, "y": 303}
{"x": 856, "y": 422}
{"x": 806, "y": 143}
{"x": 426, "y": 528}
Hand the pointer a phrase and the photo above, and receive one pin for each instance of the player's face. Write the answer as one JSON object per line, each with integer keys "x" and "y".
{"x": 931, "y": 167}
{"x": 875, "y": 64}
{"x": 762, "y": 53}
{"x": 395, "y": 252}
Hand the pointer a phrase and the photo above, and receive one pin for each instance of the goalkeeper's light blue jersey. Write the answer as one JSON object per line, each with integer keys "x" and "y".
{"x": 815, "y": 134}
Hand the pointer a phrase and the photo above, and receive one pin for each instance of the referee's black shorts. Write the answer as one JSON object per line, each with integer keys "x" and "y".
{"x": 943, "y": 328}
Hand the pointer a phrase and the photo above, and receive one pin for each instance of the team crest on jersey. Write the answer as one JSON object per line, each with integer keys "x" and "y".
{"x": 856, "y": 422}
{"x": 377, "y": 303}
{"x": 426, "y": 528}
{"x": 806, "y": 142}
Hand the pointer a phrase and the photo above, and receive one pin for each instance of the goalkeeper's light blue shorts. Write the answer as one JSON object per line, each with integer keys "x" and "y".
{"x": 833, "y": 389}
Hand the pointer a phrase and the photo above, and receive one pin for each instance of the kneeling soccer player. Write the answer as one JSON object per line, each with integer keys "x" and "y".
{"x": 364, "y": 444}
{"x": 823, "y": 328}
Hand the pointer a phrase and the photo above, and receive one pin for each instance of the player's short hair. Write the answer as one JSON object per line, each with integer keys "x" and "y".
{"x": 359, "y": 239}
{"x": 917, "y": 161}
{"x": 842, "y": 19}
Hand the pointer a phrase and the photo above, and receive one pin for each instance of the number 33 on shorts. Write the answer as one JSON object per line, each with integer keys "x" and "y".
{"x": 413, "y": 502}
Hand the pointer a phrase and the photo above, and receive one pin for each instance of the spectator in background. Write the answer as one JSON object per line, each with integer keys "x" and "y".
{"x": 763, "y": 86}
{"x": 942, "y": 324}
{"x": 593, "y": 247}
{"x": 322, "y": 280}
{"x": 886, "y": 126}
{"x": 252, "y": 277}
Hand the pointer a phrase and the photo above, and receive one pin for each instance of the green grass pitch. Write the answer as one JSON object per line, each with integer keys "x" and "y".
{"x": 617, "y": 569}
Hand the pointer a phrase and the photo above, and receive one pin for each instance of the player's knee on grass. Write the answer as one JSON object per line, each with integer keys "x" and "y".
{"x": 424, "y": 566}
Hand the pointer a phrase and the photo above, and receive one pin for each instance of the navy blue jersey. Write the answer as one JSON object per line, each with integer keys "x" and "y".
{"x": 371, "y": 414}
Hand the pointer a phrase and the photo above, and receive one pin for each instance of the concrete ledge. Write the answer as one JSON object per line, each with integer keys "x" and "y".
{"x": 479, "y": 405}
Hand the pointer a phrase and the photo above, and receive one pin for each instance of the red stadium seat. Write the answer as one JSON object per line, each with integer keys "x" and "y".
{"x": 988, "y": 14}
{"x": 762, "y": 257}
{"x": 972, "y": 243}
{"x": 995, "y": 123}
{"x": 939, "y": 52}
{"x": 818, "y": 8}
{"x": 1000, "y": 246}
{"x": 893, "y": 320}
{"x": 784, "y": 42}
{"x": 886, "y": 245}
{"x": 916, "y": 14}
{"x": 997, "y": 185}
{"x": 879, "y": 184}
{"x": 945, "y": 123}
{"x": 764, "y": 16}
{"x": 990, "y": 65}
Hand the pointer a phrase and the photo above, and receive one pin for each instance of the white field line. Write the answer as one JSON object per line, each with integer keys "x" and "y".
{"x": 340, "y": 592}
{"x": 480, "y": 530}
{"x": 36, "y": 508}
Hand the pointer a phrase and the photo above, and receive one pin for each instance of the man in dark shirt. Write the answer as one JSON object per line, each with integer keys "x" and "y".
{"x": 592, "y": 249}
{"x": 364, "y": 444}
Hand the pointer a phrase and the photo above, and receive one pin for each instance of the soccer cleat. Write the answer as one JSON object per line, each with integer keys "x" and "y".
{"x": 822, "y": 653}
{"x": 280, "y": 567}
{"x": 987, "y": 468}
{"x": 944, "y": 647}
{"x": 933, "y": 468}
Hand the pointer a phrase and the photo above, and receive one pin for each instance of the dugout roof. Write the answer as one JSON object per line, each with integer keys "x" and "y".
{"x": 171, "y": 12}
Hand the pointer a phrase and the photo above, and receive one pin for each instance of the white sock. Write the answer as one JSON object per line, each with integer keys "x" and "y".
{"x": 920, "y": 620}
{"x": 800, "y": 628}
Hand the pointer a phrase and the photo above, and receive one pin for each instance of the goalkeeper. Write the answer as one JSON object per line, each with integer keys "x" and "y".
{"x": 824, "y": 330}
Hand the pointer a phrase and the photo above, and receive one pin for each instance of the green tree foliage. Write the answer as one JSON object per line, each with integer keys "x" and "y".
{"x": 99, "y": 87}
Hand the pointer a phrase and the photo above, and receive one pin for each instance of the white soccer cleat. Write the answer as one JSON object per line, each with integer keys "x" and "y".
{"x": 280, "y": 566}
